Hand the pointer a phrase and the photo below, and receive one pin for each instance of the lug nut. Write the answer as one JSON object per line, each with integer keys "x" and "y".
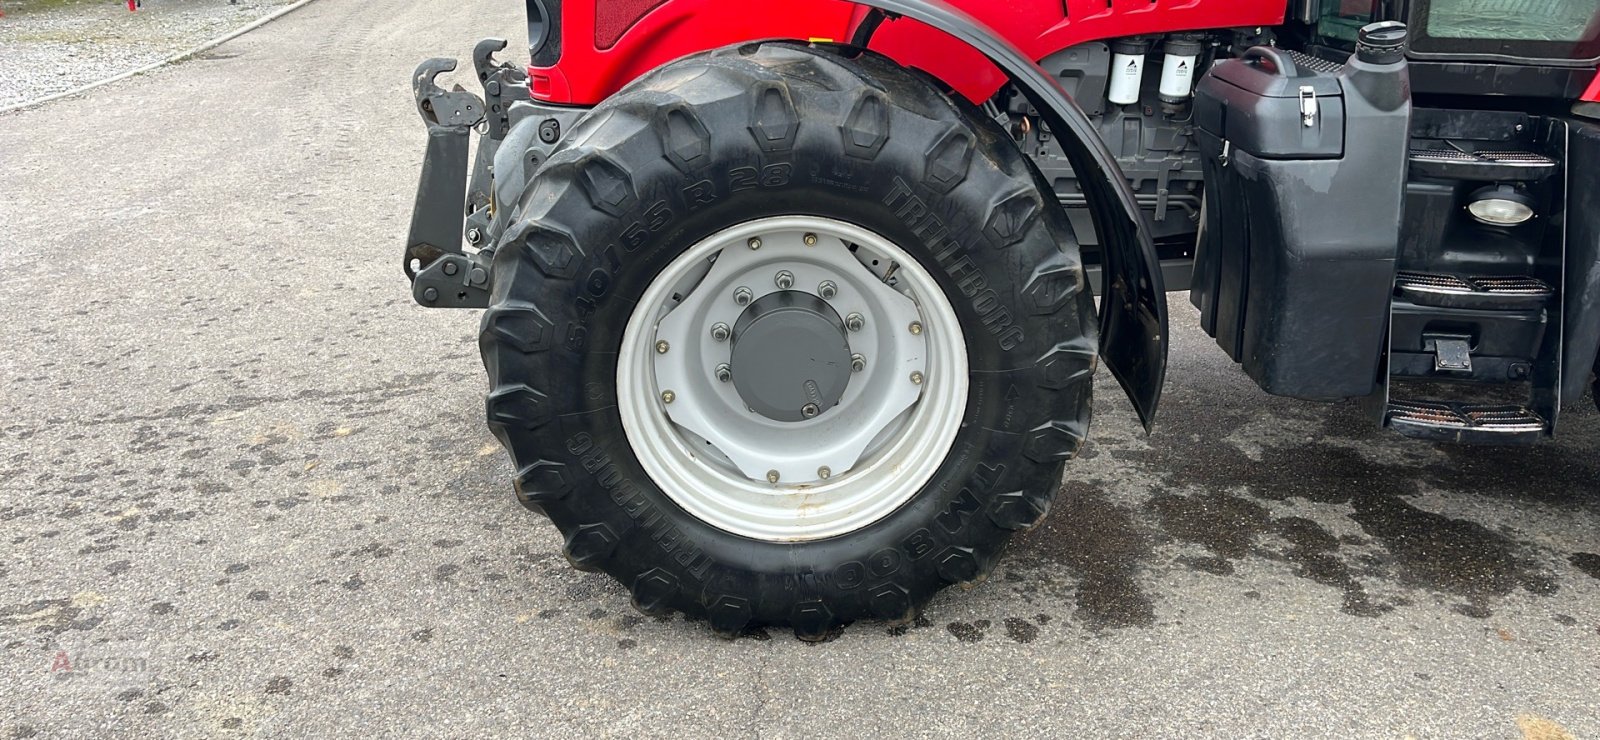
{"x": 858, "y": 362}
{"x": 743, "y": 296}
{"x": 719, "y": 331}
{"x": 755, "y": 242}
{"x": 810, "y": 240}
{"x": 662, "y": 347}
{"x": 827, "y": 289}
{"x": 772, "y": 476}
{"x": 824, "y": 473}
{"x": 724, "y": 373}
{"x": 784, "y": 280}
{"x": 809, "y": 410}
{"x": 916, "y": 327}
{"x": 854, "y": 322}
{"x": 668, "y": 396}
{"x": 916, "y": 378}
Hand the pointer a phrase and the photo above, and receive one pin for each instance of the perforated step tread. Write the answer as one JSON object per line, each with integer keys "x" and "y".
{"x": 1481, "y": 165}
{"x": 1464, "y": 422}
{"x": 1507, "y": 292}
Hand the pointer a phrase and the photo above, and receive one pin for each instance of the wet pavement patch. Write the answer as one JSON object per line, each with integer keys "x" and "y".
{"x": 1102, "y": 547}
{"x": 1021, "y": 630}
{"x": 968, "y": 631}
{"x": 1587, "y": 562}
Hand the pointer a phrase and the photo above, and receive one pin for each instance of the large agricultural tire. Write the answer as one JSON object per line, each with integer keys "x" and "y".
{"x": 810, "y": 150}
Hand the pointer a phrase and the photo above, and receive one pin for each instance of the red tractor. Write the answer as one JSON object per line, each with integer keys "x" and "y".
{"x": 790, "y": 307}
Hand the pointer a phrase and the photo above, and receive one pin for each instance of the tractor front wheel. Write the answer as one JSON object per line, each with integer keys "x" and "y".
{"x": 781, "y": 336}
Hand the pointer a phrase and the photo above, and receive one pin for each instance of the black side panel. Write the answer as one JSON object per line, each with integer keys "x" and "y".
{"x": 1133, "y": 310}
{"x": 1296, "y": 267}
{"x": 1582, "y": 308}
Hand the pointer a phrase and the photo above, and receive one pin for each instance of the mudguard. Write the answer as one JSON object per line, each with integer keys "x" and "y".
{"x": 1133, "y": 304}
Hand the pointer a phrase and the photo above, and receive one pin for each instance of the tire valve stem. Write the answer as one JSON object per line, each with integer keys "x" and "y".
{"x": 668, "y": 396}
{"x": 662, "y": 347}
{"x": 772, "y": 477}
{"x": 824, "y": 473}
{"x": 916, "y": 378}
{"x": 719, "y": 331}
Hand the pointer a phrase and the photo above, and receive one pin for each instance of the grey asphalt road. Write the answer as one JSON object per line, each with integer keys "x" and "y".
{"x": 245, "y": 487}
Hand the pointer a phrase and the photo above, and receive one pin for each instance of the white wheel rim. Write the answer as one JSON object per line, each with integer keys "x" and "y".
{"x": 888, "y": 434}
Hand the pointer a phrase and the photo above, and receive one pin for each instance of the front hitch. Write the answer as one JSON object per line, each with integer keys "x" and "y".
{"x": 442, "y": 274}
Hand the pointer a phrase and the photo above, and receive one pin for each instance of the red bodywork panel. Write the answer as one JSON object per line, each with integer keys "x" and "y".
{"x": 1593, "y": 94}
{"x": 603, "y": 50}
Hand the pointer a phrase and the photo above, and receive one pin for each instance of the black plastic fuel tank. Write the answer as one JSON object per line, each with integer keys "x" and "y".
{"x": 1305, "y": 168}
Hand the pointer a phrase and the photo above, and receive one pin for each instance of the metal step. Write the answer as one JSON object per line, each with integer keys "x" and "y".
{"x": 1464, "y": 422}
{"x": 1496, "y": 166}
{"x": 1503, "y": 293}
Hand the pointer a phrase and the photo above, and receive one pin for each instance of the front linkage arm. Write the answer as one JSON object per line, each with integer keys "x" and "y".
{"x": 443, "y": 275}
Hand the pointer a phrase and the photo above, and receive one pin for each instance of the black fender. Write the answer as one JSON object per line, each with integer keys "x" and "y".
{"x": 1581, "y": 294}
{"x": 1133, "y": 303}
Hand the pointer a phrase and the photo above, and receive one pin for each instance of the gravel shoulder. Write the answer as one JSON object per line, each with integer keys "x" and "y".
{"x": 51, "y": 46}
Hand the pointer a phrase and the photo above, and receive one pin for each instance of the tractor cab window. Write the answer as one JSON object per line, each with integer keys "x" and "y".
{"x": 1339, "y": 20}
{"x": 1565, "y": 32}
{"x": 1508, "y": 30}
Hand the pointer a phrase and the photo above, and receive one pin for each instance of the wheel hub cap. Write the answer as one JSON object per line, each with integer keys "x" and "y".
{"x": 791, "y": 359}
{"x": 792, "y": 378}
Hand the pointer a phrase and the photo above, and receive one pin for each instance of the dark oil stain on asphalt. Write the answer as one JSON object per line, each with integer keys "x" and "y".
{"x": 1587, "y": 562}
{"x": 1105, "y": 546}
{"x": 1021, "y": 630}
{"x": 968, "y": 631}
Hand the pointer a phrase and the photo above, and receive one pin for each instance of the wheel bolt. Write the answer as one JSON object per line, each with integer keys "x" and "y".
{"x": 742, "y": 296}
{"x": 809, "y": 410}
{"x": 772, "y": 476}
{"x": 784, "y": 280}
{"x": 755, "y": 242}
{"x": 662, "y": 347}
{"x": 810, "y": 240}
{"x": 854, "y": 322}
{"x": 724, "y": 373}
{"x": 824, "y": 473}
{"x": 916, "y": 378}
{"x": 719, "y": 331}
{"x": 827, "y": 289}
{"x": 916, "y": 327}
{"x": 668, "y": 396}
{"x": 858, "y": 362}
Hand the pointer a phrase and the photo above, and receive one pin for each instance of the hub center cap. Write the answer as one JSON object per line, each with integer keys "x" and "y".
{"x": 791, "y": 358}
{"x": 750, "y": 406}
